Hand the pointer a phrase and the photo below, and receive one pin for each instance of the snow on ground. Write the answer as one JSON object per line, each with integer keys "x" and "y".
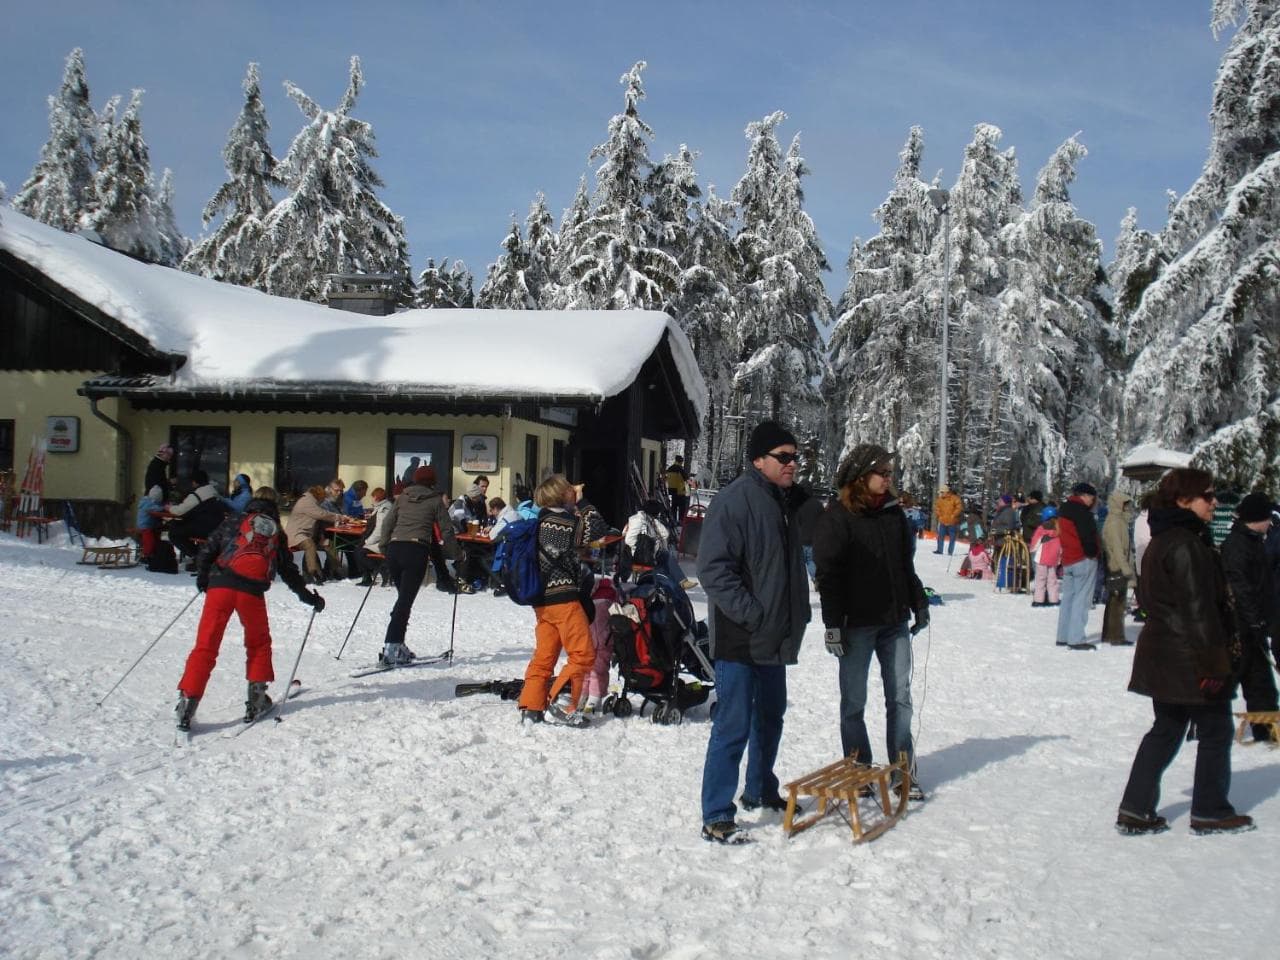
{"x": 384, "y": 818}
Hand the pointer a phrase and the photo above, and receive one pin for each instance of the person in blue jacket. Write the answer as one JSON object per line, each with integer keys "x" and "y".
{"x": 241, "y": 494}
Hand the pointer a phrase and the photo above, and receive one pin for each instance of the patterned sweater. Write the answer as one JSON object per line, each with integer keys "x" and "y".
{"x": 561, "y": 534}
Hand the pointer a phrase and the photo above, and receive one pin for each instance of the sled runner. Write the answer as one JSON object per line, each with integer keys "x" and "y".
{"x": 108, "y": 558}
{"x": 838, "y": 784}
{"x": 1270, "y": 717}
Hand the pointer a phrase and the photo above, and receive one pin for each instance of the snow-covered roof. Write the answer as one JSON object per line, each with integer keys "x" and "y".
{"x": 236, "y": 340}
{"x": 1154, "y": 455}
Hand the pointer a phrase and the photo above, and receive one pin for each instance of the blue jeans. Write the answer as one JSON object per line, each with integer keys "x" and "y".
{"x": 892, "y": 647}
{"x": 750, "y": 702}
{"x": 947, "y": 530}
{"x": 1077, "y": 595}
{"x": 808, "y": 562}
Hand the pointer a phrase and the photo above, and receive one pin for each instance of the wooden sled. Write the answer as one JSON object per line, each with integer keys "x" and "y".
{"x": 108, "y": 558}
{"x": 836, "y": 785}
{"x": 1270, "y": 717}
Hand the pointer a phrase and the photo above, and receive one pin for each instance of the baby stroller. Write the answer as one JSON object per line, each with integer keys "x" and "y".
{"x": 660, "y": 649}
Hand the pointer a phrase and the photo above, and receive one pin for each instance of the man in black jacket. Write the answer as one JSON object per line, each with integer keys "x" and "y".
{"x": 751, "y": 567}
{"x": 863, "y": 548}
{"x": 1244, "y": 559}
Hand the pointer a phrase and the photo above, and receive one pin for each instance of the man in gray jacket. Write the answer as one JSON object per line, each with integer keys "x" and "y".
{"x": 752, "y": 568}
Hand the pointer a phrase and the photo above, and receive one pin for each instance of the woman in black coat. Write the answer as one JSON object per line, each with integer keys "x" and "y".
{"x": 1184, "y": 661}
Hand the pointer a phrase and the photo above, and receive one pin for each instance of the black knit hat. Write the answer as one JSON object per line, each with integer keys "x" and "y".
{"x": 1256, "y": 506}
{"x": 1083, "y": 489}
{"x": 862, "y": 459}
{"x": 767, "y": 436}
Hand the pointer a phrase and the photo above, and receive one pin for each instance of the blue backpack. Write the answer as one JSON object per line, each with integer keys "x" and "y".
{"x": 516, "y": 561}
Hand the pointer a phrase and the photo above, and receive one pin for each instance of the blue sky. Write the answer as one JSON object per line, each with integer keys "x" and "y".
{"x": 478, "y": 105}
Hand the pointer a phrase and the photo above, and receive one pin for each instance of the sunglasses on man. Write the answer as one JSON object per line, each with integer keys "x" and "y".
{"x": 784, "y": 458}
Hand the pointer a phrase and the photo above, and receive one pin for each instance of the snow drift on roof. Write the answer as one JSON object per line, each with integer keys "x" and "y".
{"x": 234, "y": 337}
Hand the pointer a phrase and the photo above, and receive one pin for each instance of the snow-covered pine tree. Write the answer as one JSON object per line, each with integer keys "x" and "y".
{"x": 173, "y": 242}
{"x": 444, "y": 287}
{"x": 706, "y": 307}
{"x": 332, "y": 222}
{"x": 673, "y": 186}
{"x": 1208, "y": 379}
{"x": 571, "y": 220}
{"x": 126, "y": 212}
{"x": 783, "y": 300}
{"x": 1054, "y": 339}
{"x": 882, "y": 385}
{"x": 540, "y": 247}
{"x": 235, "y": 251}
{"x": 59, "y": 191}
{"x": 612, "y": 264}
{"x": 505, "y": 287}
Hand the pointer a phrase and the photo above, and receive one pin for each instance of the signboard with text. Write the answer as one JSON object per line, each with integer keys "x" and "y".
{"x": 63, "y": 434}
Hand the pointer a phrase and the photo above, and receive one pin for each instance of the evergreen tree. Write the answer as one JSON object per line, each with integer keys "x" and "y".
{"x": 445, "y": 286}
{"x": 1207, "y": 378}
{"x": 173, "y": 242}
{"x": 673, "y": 185}
{"x": 783, "y": 297}
{"x": 882, "y": 385}
{"x": 611, "y": 263}
{"x": 127, "y": 209}
{"x": 236, "y": 250}
{"x": 505, "y": 287}
{"x": 540, "y": 247}
{"x": 59, "y": 191}
{"x": 332, "y": 222}
{"x": 706, "y": 307}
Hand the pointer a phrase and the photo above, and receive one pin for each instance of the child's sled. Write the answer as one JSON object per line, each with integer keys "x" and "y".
{"x": 839, "y": 785}
{"x": 1269, "y": 717}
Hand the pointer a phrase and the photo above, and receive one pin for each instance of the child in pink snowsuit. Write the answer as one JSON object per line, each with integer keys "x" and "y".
{"x": 979, "y": 561}
{"x": 597, "y": 681}
{"x": 1046, "y": 551}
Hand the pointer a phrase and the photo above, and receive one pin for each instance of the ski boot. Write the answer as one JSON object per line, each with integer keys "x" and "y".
{"x": 186, "y": 710}
{"x": 258, "y": 702}
{"x": 395, "y": 655}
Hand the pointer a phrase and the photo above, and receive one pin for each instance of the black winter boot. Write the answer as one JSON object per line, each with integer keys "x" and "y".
{"x": 186, "y": 710}
{"x": 257, "y": 703}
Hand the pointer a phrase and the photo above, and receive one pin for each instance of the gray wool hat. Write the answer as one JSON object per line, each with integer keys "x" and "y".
{"x": 861, "y": 460}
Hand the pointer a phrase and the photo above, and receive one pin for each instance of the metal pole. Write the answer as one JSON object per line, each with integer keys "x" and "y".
{"x": 338, "y": 655}
{"x": 149, "y": 646}
{"x": 946, "y": 308}
{"x": 284, "y": 697}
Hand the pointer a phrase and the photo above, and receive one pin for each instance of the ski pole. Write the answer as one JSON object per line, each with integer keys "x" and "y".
{"x": 148, "y": 650}
{"x": 338, "y": 655}
{"x": 284, "y": 698}
{"x": 453, "y": 626}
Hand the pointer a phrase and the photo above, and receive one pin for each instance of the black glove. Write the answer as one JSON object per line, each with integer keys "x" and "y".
{"x": 202, "y": 582}
{"x": 922, "y": 620}
{"x": 314, "y": 599}
{"x": 834, "y": 639}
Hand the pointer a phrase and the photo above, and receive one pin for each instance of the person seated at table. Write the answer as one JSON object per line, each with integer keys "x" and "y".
{"x": 500, "y": 514}
{"x": 241, "y": 494}
{"x": 645, "y": 543}
{"x": 197, "y": 516}
{"x": 333, "y": 501}
{"x": 353, "y": 500}
{"x": 307, "y": 520}
{"x": 150, "y": 507}
{"x": 469, "y": 508}
{"x": 370, "y": 565}
{"x": 333, "y": 492}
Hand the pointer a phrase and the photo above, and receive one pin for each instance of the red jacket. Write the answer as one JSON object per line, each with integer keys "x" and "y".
{"x": 1078, "y": 532}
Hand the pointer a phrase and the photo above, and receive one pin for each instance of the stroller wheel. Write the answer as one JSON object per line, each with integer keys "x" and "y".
{"x": 673, "y": 716}
{"x": 622, "y": 709}
{"x": 659, "y": 714}
{"x": 607, "y": 704}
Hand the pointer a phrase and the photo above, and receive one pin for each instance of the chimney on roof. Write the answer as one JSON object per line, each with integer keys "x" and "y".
{"x": 373, "y": 294}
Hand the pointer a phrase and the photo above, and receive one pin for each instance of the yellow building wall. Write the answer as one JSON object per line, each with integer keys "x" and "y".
{"x": 29, "y": 396}
{"x": 362, "y": 442}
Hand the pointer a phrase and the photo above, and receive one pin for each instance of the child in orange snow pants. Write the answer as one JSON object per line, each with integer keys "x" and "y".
{"x": 559, "y": 626}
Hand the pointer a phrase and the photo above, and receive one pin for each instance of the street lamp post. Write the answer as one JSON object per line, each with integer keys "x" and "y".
{"x": 942, "y": 200}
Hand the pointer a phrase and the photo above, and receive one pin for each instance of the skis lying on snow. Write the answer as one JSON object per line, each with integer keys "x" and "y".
{"x": 443, "y": 657}
{"x": 506, "y": 689}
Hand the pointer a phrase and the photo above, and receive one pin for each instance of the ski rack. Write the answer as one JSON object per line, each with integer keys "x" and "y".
{"x": 839, "y": 785}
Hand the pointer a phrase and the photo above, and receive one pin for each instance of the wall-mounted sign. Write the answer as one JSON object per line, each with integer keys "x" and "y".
{"x": 63, "y": 434}
{"x": 479, "y": 453}
{"x": 565, "y": 415}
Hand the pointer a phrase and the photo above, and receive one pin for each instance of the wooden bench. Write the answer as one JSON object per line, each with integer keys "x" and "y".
{"x": 109, "y": 558}
{"x": 840, "y": 785}
{"x": 1248, "y": 718}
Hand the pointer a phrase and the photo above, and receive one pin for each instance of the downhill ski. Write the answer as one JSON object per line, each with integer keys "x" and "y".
{"x": 442, "y": 657}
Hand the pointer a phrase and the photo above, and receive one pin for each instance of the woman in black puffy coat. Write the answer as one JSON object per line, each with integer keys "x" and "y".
{"x": 1184, "y": 661}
